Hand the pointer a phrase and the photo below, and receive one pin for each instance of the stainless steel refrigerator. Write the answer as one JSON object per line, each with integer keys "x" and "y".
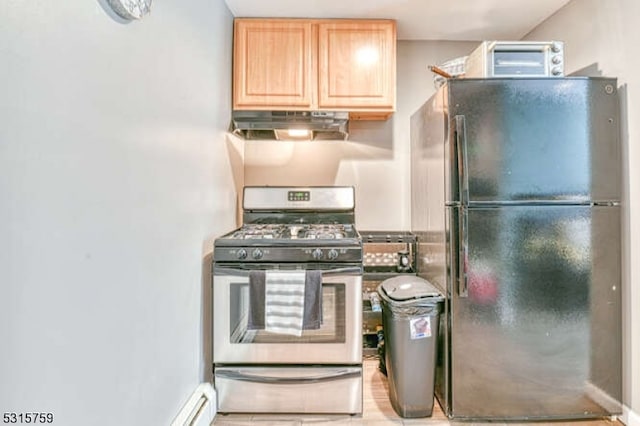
{"x": 515, "y": 201}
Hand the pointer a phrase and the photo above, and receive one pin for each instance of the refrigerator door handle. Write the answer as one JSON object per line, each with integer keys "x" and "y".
{"x": 461, "y": 152}
{"x": 463, "y": 187}
{"x": 464, "y": 252}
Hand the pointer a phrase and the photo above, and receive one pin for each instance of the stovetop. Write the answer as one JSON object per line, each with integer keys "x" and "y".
{"x": 293, "y": 232}
{"x": 290, "y": 243}
{"x": 294, "y": 224}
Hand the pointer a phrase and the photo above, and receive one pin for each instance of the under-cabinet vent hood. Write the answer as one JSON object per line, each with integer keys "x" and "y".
{"x": 291, "y": 125}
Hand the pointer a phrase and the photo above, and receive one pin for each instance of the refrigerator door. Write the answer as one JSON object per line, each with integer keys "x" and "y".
{"x": 533, "y": 140}
{"x": 535, "y": 313}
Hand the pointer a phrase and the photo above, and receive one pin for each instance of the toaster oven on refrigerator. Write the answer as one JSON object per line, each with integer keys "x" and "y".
{"x": 516, "y": 59}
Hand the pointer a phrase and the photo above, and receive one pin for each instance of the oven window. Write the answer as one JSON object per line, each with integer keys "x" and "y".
{"x": 519, "y": 62}
{"x": 332, "y": 329}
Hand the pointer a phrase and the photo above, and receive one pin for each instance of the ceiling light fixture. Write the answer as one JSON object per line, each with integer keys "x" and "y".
{"x": 130, "y": 9}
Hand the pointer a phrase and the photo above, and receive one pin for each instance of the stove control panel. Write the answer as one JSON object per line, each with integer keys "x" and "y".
{"x": 320, "y": 198}
{"x": 287, "y": 254}
{"x": 299, "y": 196}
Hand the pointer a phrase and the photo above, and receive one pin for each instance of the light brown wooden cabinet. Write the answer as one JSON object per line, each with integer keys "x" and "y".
{"x": 326, "y": 64}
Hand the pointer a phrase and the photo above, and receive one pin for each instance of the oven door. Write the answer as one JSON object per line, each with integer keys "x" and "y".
{"x": 337, "y": 341}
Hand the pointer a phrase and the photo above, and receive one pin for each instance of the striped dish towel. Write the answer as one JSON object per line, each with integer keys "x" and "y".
{"x": 284, "y": 301}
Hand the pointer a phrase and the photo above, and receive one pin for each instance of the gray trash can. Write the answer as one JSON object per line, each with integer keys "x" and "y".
{"x": 410, "y": 319}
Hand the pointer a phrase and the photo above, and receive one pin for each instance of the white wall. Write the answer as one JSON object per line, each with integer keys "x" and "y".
{"x": 375, "y": 159}
{"x": 115, "y": 176}
{"x": 601, "y": 38}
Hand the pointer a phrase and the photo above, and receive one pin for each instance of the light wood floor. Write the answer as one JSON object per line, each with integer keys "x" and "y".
{"x": 377, "y": 411}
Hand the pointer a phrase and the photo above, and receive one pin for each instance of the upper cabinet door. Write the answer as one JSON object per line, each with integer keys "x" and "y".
{"x": 357, "y": 65}
{"x": 273, "y": 64}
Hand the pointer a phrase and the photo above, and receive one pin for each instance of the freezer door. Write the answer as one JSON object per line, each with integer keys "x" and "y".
{"x": 533, "y": 140}
{"x": 535, "y": 314}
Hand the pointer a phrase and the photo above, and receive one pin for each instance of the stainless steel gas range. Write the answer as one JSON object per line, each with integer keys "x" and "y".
{"x": 298, "y": 233}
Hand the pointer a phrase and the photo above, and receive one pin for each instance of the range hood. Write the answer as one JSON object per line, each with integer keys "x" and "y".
{"x": 291, "y": 125}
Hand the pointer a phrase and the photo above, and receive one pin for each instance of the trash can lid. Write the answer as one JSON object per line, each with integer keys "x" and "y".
{"x": 405, "y": 287}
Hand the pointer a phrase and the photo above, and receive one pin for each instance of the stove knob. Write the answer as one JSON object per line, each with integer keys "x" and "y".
{"x": 257, "y": 254}
{"x": 333, "y": 254}
{"x": 241, "y": 254}
{"x": 317, "y": 254}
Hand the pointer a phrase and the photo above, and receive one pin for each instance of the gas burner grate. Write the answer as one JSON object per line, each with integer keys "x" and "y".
{"x": 293, "y": 231}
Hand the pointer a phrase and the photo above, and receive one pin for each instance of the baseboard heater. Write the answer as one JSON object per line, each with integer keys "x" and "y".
{"x": 203, "y": 400}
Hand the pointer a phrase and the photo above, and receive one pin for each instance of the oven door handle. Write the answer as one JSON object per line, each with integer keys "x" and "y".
{"x": 335, "y": 375}
{"x": 242, "y": 271}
